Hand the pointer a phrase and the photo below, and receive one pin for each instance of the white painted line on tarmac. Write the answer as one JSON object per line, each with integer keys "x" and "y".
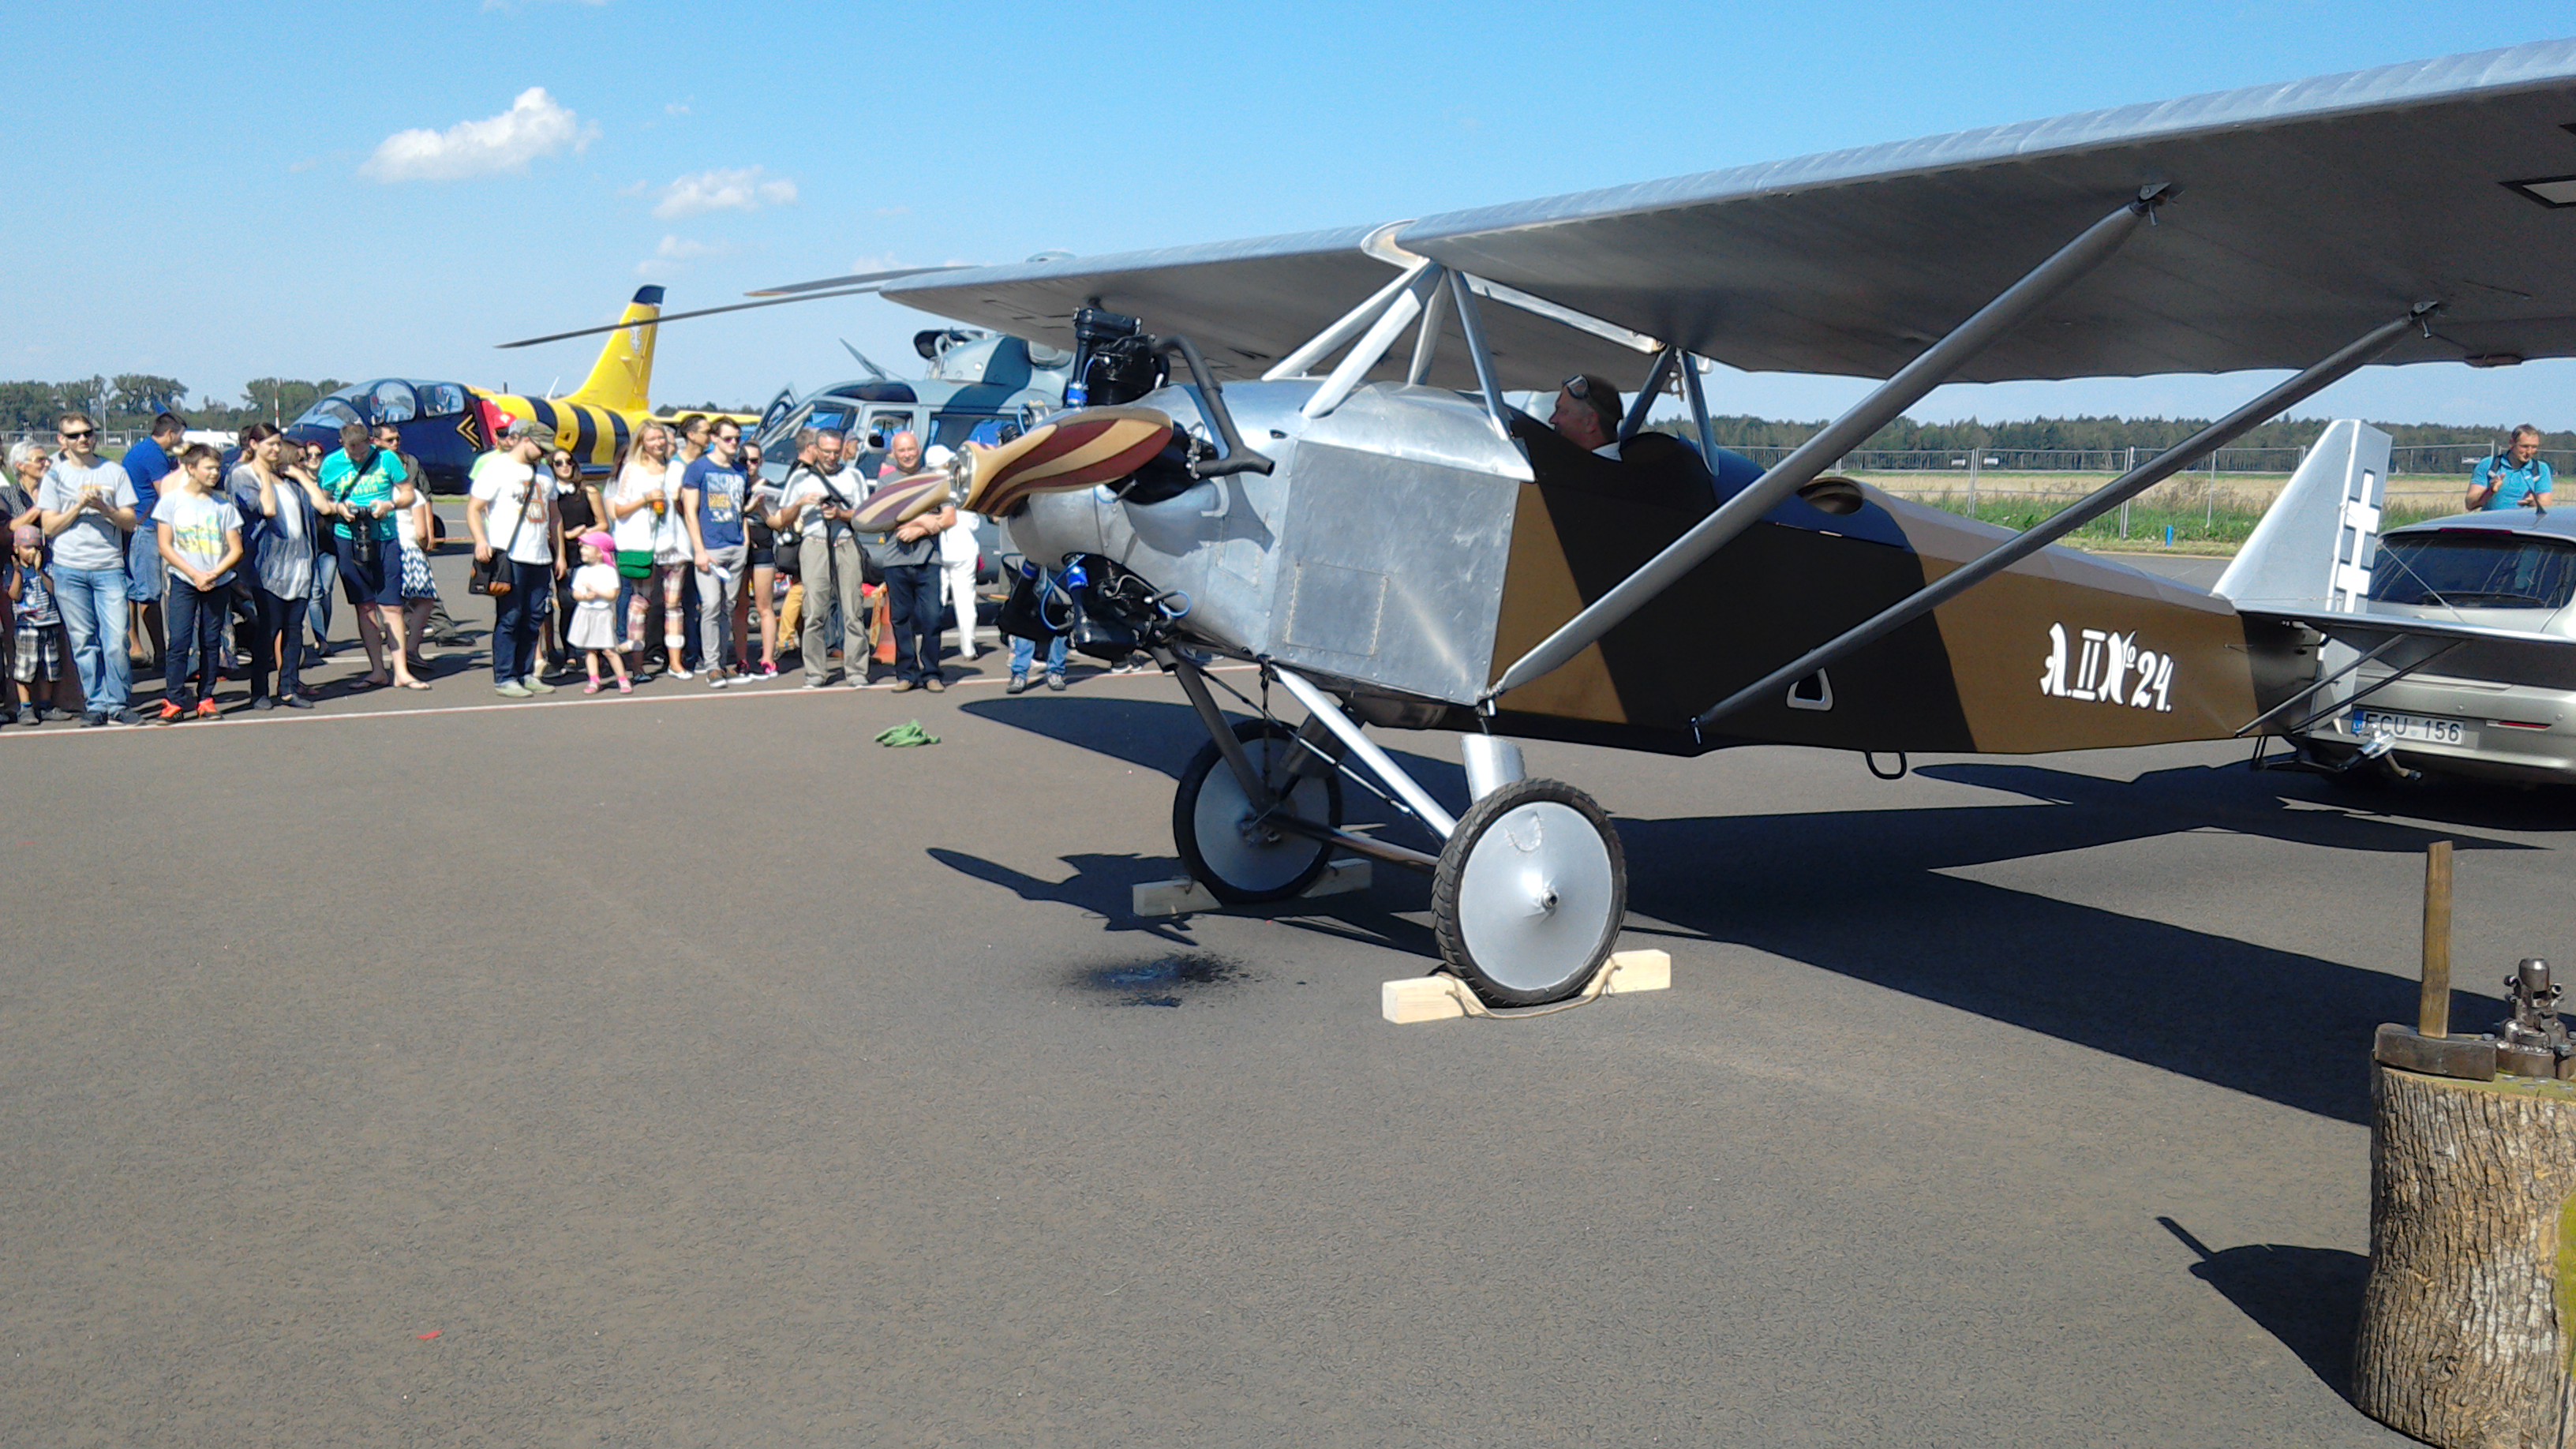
{"x": 605, "y": 697}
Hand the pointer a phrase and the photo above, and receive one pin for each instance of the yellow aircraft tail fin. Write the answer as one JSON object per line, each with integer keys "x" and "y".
{"x": 622, "y": 379}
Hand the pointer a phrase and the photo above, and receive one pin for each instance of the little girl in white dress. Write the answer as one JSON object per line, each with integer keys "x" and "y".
{"x": 594, "y": 623}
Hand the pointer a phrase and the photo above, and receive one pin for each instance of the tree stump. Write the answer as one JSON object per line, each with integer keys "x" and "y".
{"x": 2470, "y": 1316}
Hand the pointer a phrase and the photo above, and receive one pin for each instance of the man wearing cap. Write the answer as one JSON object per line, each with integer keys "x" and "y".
{"x": 1579, "y": 446}
{"x": 510, "y": 510}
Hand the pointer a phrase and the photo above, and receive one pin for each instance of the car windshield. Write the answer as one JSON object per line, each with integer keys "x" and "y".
{"x": 330, "y": 413}
{"x": 2474, "y": 569}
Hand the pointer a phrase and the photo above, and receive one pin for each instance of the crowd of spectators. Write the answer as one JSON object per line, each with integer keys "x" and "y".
{"x": 682, "y": 562}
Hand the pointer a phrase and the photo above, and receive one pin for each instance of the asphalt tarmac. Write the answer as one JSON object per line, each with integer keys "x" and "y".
{"x": 688, "y": 1070}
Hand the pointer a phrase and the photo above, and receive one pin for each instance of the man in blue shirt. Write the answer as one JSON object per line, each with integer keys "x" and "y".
{"x": 713, "y": 491}
{"x": 146, "y": 464}
{"x": 2518, "y": 479}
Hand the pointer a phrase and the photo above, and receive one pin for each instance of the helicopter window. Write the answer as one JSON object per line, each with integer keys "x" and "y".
{"x": 955, "y": 430}
{"x": 882, "y": 426}
{"x": 330, "y": 413}
{"x": 439, "y": 399}
{"x": 393, "y": 402}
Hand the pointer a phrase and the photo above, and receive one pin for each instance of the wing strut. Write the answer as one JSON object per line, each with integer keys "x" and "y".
{"x": 2075, "y": 515}
{"x": 1892, "y": 397}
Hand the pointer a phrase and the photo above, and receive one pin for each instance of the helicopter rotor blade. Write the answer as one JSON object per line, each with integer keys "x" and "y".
{"x": 851, "y": 279}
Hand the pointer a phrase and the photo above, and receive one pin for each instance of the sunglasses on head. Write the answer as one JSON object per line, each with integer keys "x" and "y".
{"x": 1579, "y": 388}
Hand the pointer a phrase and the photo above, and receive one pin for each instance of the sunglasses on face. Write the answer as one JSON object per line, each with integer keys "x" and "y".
{"x": 74, "y": 435}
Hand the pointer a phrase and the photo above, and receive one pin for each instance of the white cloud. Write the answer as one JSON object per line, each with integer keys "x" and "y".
{"x": 535, "y": 125}
{"x": 745, "y": 189}
{"x": 676, "y": 108}
{"x": 681, "y": 249}
{"x": 516, "y": 4}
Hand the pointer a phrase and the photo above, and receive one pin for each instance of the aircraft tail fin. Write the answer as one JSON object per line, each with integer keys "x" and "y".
{"x": 2314, "y": 546}
{"x": 622, "y": 379}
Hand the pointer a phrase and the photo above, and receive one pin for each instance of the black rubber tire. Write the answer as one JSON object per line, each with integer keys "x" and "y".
{"x": 1449, "y": 930}
{"x": 1261, "y": 739}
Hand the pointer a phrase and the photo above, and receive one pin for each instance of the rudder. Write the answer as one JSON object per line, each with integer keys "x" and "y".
{"x": 622, "y": 379}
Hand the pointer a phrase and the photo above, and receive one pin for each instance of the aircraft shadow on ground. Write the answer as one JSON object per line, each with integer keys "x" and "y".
{"x": 2308, "y": 1298}
{"x": 1825, "y": 888}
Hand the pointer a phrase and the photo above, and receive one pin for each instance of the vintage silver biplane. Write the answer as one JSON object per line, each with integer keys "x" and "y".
{"x": 1298, "y": 452}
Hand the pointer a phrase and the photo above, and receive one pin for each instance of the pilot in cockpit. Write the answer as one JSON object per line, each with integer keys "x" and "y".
{"x": 1579, "y": 447}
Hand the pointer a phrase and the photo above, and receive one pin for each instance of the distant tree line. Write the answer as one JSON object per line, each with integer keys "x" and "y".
{"x": 129, "y": 401}
{"x": 2147, "y": 435}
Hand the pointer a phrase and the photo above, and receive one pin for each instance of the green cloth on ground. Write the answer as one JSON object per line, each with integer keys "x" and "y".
{"x": 907, "y": 733}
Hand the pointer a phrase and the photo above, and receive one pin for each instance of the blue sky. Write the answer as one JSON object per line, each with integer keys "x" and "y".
{"x": 220, "y": 191}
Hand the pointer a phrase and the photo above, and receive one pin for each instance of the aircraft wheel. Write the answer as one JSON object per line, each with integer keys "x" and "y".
{"x": 1530, "y": 893}
{"x": 1239, "y": 861}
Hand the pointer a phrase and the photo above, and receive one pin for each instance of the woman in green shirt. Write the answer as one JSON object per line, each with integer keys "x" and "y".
{"x": 366, "y": 488}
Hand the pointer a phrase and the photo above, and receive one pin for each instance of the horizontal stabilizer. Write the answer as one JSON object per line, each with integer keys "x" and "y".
{"x": 2474, "y": 651}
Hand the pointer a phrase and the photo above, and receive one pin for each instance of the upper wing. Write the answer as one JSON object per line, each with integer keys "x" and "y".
{"x": 1249, "y": 303}
{"x": 2301, "y": 216}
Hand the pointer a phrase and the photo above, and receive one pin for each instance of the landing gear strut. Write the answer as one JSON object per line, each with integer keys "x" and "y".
{"x": 1528, "y": 891}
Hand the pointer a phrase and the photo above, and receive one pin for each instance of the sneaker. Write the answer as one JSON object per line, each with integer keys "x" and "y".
{"x": 715, "y": 681}
{"x": 935, "y": 684}
{"x": 123, "y": 718}
{"x": 1055, "y": 681}
{"x": 170, "y": 713}
{"x": 817, "y": 683}
{"x": 36, "y": 713}
{"x": 207, "y": 709}
{"x": 92, "y": 720}
{"x": 769, "y": 669}
{"x": 263, "y": 702}
{"x": 902, "y": 686}
{"x": 514, "y": 690}
{"x": 295, "y": 701}
{"x": 1019, "y": 685}
{"x": 534, "y": 685}
{"x": 679, "y": 671}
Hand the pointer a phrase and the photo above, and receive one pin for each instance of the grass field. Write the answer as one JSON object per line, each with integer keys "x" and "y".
{"x": 2206, "y": 517}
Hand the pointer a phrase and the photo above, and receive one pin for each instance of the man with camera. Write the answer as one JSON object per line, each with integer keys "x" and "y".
{"x": 815, "y": 501}
{"x": 513, "y": 501}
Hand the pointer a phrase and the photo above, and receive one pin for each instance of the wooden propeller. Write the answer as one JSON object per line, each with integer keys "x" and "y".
{"x": 1078, "y": 450}
{"x": 899, "y": 502}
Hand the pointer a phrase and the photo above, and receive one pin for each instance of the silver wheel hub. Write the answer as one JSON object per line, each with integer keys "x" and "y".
{"x": 1245, "y": 850}
{"x": 1534, "y": 899}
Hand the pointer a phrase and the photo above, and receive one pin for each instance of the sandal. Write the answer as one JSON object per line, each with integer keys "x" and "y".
{"x": 411, "y": 684}
{"x": 591, "y": 688}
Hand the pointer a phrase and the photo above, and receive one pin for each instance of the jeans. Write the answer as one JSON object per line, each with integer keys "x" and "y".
{"x": 281, "y": 638}
{"x": 718, "y": 592}
{"x": 827, "y": 570}
{"x": 521, "y": 613}
{"x": 326, "y": 582}
{"x": 196, "y": 635}
{"x": 93, "y": 603}
{"x": 1025, "y": 650}
{"x": 145, "y": 574}
{"x": 915, "y": 591}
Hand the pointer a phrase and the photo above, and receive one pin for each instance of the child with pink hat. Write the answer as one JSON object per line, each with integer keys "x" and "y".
{"x": 594, "y": 624}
